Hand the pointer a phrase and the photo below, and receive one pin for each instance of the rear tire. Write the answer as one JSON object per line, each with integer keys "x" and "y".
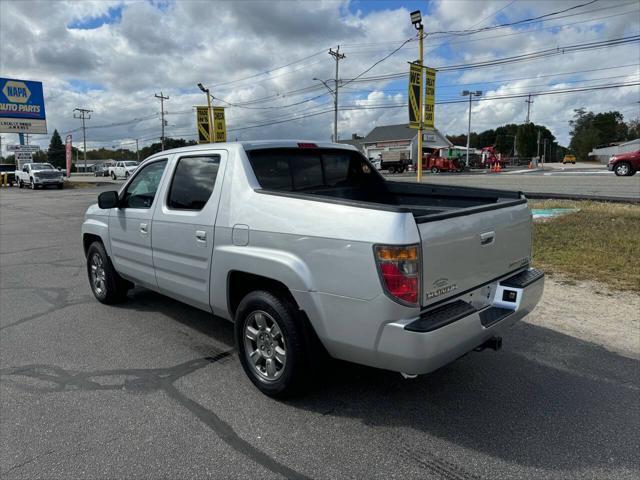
{"x": 32, "y": 185}
{"x": 126, "y": 175}
{"x": 60, "y": 186}
{"x": 271, "y": 343}
{"x": 434, "y": 170}
{"x": 392, "y": 170}
{"x": 107, "y": 286}
{"x": 20, "y": 184}
{"x": 113, "y": 175}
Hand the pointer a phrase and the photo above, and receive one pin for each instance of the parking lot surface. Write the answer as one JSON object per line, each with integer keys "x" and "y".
{"x": 152, "y": 389}
{"x": 572, "y": 181}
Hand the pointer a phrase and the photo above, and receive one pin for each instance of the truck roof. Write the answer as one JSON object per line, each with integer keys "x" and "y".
{"x": 257, "y": 145}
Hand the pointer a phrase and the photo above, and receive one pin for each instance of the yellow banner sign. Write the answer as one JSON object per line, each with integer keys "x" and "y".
{"x": 430, "y": 99}
{"x": 219, "y": 125}
{"x": 415, "y": 94}
{"x": 202, "y": 123}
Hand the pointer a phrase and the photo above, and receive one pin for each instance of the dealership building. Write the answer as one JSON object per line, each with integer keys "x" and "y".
{"x": 397, "y": 138}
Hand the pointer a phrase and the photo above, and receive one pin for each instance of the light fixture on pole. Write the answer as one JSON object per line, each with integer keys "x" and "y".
{"x": 416, "y": 20}
{"x": 210, "y": 115}
{"x": 470, "y": 94}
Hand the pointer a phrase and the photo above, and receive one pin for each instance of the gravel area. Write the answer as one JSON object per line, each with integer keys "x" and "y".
{"x": 591, "y": 312}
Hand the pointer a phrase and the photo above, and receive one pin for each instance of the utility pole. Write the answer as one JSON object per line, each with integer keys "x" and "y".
{"x": 544, "y": 154}
{"x": 538, "y": 154}
{"x": 528, "y": 101}
{"x": 162, "y": 99}
{"x": 83, "y": 114}
{"x": 470, "y": 94}
{"x": 338, "y": 56}
{"x": 137, "y": 151}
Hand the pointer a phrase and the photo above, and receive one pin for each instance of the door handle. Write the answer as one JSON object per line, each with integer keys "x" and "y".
{"x": 143, "y": 229}
{"x": 201, "y": 235}
{"x": 487, "y": 238}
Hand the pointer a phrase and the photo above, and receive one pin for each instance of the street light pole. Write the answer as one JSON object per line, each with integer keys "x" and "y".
{"x": 210, "y": 116}
{"x": 416, "y": 20}
{"x": 470, "y": 94}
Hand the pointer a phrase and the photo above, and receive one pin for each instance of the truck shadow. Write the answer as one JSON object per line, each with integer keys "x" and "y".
{"x": 547, "y": 400}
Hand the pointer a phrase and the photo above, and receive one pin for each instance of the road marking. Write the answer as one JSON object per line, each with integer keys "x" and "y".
{"x": 581, "y": 173}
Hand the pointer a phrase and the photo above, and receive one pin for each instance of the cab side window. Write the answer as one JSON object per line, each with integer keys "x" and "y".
{"x": 193, "y": 182}
{"x": 142, "y": 189}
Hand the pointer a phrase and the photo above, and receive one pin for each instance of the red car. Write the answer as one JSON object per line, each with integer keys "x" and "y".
{"x": 625, "y": 164}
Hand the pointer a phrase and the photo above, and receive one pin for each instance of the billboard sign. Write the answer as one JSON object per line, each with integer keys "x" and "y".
{"x": 430, "y": 99}
{"x": 415, "y": 93}
{"x": 21, "y": 107}
{"x": 26, "y": 148}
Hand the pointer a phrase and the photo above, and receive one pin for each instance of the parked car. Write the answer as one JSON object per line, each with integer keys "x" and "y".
{"x": 39, "y": 175}
{"x": 625, "y": 164}
{"x": 102, "y": 170}
{"x": 310, "y": 251}
{"x": 122, "y": 169}
{"x": 569, "y": 159}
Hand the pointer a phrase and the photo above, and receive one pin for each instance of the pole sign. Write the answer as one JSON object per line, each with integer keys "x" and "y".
{"x": 26, "y": 148}
{"x": 219, "y": 126}
{"x": 202, "y": 123}
{"x": 415, "y": 93}
{"x": 21, "y": 107}
{"x": 68, "y": 150}
{"x": 430, "y": 99}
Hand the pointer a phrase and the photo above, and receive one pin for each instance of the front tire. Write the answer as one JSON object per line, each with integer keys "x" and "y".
{"x": 113, "y": 175}
{"x": 20, "y": 184}
{"x": 32, "y": 185}
{"x": 434, "y": 170}
{"x": 271, "y": 343}
{"x": 126, "y": 175}
{"x": 107, "y": 286}
{"x": 622, "y": 169}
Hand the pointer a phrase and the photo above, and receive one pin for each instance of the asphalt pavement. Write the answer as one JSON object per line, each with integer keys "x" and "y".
{"x": 570, "y": 180}
{"x": 152, "y": 388}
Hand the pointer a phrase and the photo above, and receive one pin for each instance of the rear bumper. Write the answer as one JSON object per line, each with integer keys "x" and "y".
{"x": 438, "y": 337}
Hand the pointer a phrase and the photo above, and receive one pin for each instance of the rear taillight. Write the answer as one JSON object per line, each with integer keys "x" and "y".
{"x": 399, "y": 269}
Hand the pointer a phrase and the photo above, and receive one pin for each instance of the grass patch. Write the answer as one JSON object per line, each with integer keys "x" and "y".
{"x": 601, "y": 242}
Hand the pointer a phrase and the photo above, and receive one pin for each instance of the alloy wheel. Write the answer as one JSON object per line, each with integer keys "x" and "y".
{"x": 98, "y": 279}
{"x": 264, "y": 345}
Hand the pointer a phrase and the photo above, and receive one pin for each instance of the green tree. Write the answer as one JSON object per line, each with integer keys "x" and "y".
{"x": 589, "y": 130}
{"x": 56, "y": 152}
{"x": 633, "y": 129}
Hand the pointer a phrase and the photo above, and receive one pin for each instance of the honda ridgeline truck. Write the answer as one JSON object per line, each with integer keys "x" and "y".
{"x": 307, "y": 248}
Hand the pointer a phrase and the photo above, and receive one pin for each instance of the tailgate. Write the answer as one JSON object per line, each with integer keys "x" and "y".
{"x": 464, "y": 252}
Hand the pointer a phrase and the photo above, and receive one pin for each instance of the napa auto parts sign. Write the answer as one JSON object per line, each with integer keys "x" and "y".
{"x": 21, "y": 107}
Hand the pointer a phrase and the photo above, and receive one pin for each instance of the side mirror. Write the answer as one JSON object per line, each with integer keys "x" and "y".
{"x": 108, "y": 200}
{"x": 25, "y": 169}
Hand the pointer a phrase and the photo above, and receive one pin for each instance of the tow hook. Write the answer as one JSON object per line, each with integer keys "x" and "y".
{"x": 494, "y": 343}
{"x": 408, "y": 376}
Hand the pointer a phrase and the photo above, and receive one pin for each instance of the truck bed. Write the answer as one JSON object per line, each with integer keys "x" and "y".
{"x": 426, "y": 202}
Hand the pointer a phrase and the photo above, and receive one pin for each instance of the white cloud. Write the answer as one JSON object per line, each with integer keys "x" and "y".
{"x": 115, "y": 69}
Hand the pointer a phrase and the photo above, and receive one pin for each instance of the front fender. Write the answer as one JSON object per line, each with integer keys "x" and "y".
{"x": 96, "y": 222}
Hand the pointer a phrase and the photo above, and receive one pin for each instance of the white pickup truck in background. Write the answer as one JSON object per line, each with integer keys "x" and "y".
{"x": 122, "y": 169}
{"x": 39, "y": 175}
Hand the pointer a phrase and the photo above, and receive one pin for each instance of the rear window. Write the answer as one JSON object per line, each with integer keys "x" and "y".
{"x": 307, "y": 169}
{"x": 193, "y": 182}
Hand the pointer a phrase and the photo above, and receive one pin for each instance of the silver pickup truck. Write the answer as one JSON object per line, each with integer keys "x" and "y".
{"x": 309, "y": 251}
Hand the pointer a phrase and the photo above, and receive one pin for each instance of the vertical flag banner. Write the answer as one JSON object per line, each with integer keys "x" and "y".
{"x": 415, "y": 93}
{"x": 430, "y": 99}
{"x": 220, "y": 127}
{"x": 202, "y": 124}
{"x": 68, "y": 150}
